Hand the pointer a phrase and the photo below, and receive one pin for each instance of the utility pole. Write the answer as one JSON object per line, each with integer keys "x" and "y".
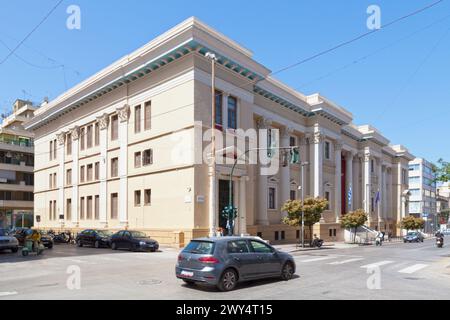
{"x": 212, "y": 166}
{"x": 302, "y": 179}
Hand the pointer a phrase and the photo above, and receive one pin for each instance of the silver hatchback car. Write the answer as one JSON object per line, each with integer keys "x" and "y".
{"x": 225, "y": 261}
{"x": 8, "y": 242}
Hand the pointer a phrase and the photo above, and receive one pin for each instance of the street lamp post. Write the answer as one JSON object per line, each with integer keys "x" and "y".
{"x": 212, "y": 167}
{"x": 302, "y": 179}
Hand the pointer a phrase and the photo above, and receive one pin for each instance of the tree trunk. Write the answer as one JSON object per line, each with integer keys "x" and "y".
{"x": 354, "y": 235}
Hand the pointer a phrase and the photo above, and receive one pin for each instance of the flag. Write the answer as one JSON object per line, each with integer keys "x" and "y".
{"x": 350, "y": 196}
{"x": 377, "y": 198}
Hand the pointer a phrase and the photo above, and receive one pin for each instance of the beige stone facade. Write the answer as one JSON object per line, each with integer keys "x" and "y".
{"x": 128, "y": 152}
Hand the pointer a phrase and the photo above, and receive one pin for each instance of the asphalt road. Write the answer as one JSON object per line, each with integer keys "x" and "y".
{"x": 394, "y": 271}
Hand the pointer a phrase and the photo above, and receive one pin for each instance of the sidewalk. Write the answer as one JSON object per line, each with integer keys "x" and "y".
{"x": 328, "y": 245}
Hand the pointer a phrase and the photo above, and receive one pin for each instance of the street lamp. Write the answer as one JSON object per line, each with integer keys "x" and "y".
{"x": 212, "y": 167}
{"x": 302, "y": 198}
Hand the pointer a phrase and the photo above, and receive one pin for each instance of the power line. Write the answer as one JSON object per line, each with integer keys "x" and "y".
{"x": 31, "y": 32}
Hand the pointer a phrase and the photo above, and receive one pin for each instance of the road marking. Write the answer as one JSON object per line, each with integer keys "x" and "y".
{"x": 413, "y": 268}
{"x": 318, "y": 259}
{"x": 4, "y": 294}
{"x": 377, "y": 264}
{"x": 346, "y": 261}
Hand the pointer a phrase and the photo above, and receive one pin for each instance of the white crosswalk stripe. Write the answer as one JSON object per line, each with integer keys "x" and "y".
{"x": 316, "y": 259}
{"x": 345, "y": 261}
{"x": 413, "y": 268}
{"x": 5, "y": 294}
{"x": 377, "y": 264}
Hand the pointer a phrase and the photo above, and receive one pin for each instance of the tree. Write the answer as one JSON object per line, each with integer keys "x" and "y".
{"x": 443, "y": 216}
{"x": 442, "y": 171}
{"x": 312, "y": 209}
{"x": 353, "y": 220}
{"x": 412, "y": 223}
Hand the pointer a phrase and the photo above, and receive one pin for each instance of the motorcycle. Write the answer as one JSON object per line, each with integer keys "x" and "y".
{"x": 317, "y": 243}
{"x": 62, "y": 237}
{"x": 439, "y": 242}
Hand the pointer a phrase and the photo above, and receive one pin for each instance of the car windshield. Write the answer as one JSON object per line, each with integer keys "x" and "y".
{"x": 199, "y": 247}
{"x": 104, "y": 233}
{"x": 138, "y": 234}
{"x": 412, "y": 234}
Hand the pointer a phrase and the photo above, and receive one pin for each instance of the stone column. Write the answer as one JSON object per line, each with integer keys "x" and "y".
{"x": 338, "y": 180}
{"x": 317, "y": 163}
{"x": 367, "y": 184}
{"x": 75, "y": 133}
{"x": 103, "y": 122}
{"x": 349, "y": 181}
{"x": 380, "y": 185}
{"x": 262, "y": 215}
{"x": 285, "y": 174}
{"x": 357, "y": 201}
{"x": 242, "y": 210}
{"x": 61, "y": 152}
{"x": 225, "y": 111}
{"x": 124, "y": 114}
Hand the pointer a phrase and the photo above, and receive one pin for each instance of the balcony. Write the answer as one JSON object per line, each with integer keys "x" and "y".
{"x": 15, "y": 186}
{"x": 16, "y": 204}
{"x": 17, "y": 166}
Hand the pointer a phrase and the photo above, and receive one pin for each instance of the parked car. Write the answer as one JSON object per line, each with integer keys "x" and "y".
{"x": 95, "y": 238}
{"x": 46, "y": 239}
{"x": 134, "y": 241}
{"x": 225, "y": 261}
{"x": 413, "y": 236}
{"x": 8, "y": 241}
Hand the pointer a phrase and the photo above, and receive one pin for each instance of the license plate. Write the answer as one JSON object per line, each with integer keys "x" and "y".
{"x": 187, "y": 274}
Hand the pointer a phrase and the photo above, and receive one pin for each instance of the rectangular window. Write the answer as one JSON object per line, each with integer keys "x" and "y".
{"x": 137, "y": 119}
{"x": 97, "y": 171}
{"x": 327, "y": 197}
{"x": 114, "y": 205}
{"x": 90, "y": 170}
{"x": 97, "y": 208}
{"x": 82, "y": 208}
{"x": 147, "y": 115}
{"x": 272, "y": 197}
{"x": 137, "y": 198}
{"x": 372, "y": 166}
{"x": 114, "y": 167}
{"x": 277, "y": 236}
{"x": 297, "y": 234}
{"x": 327, "y": 150}
{"x": 137, "y": 159}
{"x": 114, "y": 127}
{"x": 97, "y": 134}
{"x": 232, "y": 112}
{"x": 283, "y": 235}
{"x": 82, "y": 176}
{"x": 89, "y": 208}
{"x": 148, "y": 197}
{"x": 69, "y": 177}
{"x": 51, "y": 151}
{"x": 55, "y": 184}
{"x": 69, "y": 144}
{"x": 82, "y": 138}
{"x": 50, "y": 213}
{"x": 50, "y": 181}
{"x": 147, "y": 157}
{"x": 218, "y": 105}
{"x": 293, "y": 195}
{"x": 69, "y": 209}
{"x": 55, "y": 154}
{"x": 292, "y": 142}
{"x": 89, "y": 133}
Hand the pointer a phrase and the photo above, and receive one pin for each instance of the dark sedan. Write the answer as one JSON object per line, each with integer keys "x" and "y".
{"x": 413, "y": 237}
{"x": 95, "y": 238}
{"x": 46, "y": 240}
{"x": 133, "y": 241}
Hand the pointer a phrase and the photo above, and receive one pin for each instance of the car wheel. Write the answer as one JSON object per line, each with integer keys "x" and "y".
{"x": 404, "y": 241}
{"x": 189, "y": 282}
{"x": 79, "y": 243}
{"x": 114, "y": 246}
{"x": 287, "y": 272}
{"x": 97, "y": 244}
{"x": 14, "y": 250}
{"x": 228, "y": 280}
{"x": 50, "y": 247}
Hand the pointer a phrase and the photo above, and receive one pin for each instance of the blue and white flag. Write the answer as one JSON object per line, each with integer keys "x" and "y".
{"x": 377, "y": 198}
{"x": 350, "y": 195}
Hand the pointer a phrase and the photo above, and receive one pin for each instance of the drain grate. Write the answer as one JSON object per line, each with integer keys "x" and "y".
{"x": 151, "y": 282}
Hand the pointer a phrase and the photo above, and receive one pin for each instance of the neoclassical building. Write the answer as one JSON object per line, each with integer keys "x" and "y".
{"x": 121, "y": 149}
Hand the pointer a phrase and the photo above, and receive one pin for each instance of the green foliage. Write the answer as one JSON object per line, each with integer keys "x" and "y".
{"x": 412, "y": 223}
{"x": 353, "y": 220}
{"x": 312, "y": 208}
{"x": 442, "y": 171}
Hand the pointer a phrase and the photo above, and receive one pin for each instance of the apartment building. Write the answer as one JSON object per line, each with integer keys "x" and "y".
{"x": 121, "y": 149}
{"x": 16, "y": 167}
{"x": 423, "y": 192}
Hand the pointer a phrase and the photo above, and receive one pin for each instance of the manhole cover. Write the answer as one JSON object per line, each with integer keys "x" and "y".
{"x": 149, "y": 282}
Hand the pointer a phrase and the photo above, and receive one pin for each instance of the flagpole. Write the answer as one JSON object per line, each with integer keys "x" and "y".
{"x": 379, "y": 211}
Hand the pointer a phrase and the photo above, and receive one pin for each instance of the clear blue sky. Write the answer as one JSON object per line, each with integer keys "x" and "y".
{"x": 402, "y": 87}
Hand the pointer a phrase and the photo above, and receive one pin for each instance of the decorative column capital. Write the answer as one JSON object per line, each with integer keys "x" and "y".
{"x": 103, "y": 121}
{"x": 286, "y": 132}
{"x": 75, "y": 133}
{"x": 264, "y": 123}
{"x": 366, "y": 157}
{"x": 338, "y": 145}
{"x": 124, "y": 113}
{"x": 318, "y": 137}
{"x": 61, "y": 137}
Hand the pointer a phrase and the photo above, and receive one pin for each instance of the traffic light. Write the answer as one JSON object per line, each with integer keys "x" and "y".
{"x": 295, "y": 156}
